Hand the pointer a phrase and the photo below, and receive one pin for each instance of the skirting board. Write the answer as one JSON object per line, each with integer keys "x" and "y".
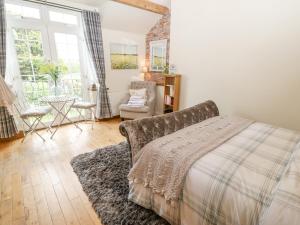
{"x": 17, "y": 136}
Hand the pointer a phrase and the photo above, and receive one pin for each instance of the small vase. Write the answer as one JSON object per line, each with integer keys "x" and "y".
{"x": 56, "y": 90}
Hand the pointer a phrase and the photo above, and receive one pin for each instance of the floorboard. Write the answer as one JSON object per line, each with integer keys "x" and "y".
{"x": 37, "y": 183}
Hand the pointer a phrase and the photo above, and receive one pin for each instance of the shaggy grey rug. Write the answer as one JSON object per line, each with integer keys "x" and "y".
{"x": 103, "y": 176}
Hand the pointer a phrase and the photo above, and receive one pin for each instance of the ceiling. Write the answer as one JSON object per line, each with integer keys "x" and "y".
{"x": 163, "y": 2}
{"x": 100, "y": 2}
{"x": 126, "y": 18}
{"x": 118, "y": 16}
{"x": 90, "y": 2}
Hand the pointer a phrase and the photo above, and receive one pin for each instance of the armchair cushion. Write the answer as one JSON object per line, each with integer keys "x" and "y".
{"x": 138, "y": 92}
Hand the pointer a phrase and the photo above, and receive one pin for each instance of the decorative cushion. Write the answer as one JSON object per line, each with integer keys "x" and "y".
{"x": 138, "y": 92}
{"x": 125, "y": 107}
{"x": 35, "y": 112}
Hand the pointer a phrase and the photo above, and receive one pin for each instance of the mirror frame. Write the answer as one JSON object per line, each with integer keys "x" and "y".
{"x": 159, "y": 43}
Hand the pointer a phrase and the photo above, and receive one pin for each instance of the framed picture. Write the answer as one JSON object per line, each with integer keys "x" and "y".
{"x": 158, "y": 55}
{"x": 123, "y": 56}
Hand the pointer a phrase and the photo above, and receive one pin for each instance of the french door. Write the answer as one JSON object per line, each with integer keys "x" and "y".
{"x": 43, "y": 35}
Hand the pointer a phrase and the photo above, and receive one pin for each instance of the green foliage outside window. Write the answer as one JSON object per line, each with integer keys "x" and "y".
{"x": 36, "y": 73}
{"x": 54, "y": 70}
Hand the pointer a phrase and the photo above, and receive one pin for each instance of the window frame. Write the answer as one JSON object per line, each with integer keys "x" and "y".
{"x": 26, "y": 4}
{"x": 63, "y": 11}
{"x": 48, "y": 29}
{"x": 160, "y": 43}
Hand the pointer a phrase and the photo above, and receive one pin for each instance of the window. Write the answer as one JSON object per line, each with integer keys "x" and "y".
{"x": 22, "y": 11}
{"x": 123, "y": 56}
{"x": 63, "y": 18}
{"x": 30, "y": 56}
{"x": 28, "y": 44}
{"x": 52, "y": 39}
{"x": 68, "y": 53}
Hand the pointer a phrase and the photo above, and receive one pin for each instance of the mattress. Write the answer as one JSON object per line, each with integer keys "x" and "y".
{"x": 253, "y": 178}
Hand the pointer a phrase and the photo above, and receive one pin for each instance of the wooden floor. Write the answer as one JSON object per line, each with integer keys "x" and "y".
{"x": 37, "y": 183}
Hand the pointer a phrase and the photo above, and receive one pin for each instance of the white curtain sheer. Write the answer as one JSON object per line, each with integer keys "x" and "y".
{"x": 89, "y": 76}
{"x": 13, "y": 77}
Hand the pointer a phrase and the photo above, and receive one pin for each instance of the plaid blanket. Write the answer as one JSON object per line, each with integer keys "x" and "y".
{"x": 238, "y": 182}
{"x": 253, "y": 178}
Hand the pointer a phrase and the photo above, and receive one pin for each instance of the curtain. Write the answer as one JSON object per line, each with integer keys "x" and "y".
{"x": 7, "y": 123}
{"x": 93, "y": 37}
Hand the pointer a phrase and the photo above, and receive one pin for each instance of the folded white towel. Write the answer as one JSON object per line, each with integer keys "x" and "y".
{"x": 136, "y": 98}
{"x": 136, "y": 101}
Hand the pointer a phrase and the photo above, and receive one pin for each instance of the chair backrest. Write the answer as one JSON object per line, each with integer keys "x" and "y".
{"x": 20, "y": 106}
{"x": 92, "y": 94}
{"x": 149, "y": 85}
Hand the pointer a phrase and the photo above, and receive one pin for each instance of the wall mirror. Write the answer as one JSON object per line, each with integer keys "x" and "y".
{"x": 158, "y": 55}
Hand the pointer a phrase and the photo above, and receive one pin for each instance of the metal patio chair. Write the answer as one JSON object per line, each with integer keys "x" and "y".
{"x": 89, "y": 105}
{"x": 34, "y": 113}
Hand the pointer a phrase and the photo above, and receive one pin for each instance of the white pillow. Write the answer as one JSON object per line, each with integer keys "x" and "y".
{"x": 138, "y": 92}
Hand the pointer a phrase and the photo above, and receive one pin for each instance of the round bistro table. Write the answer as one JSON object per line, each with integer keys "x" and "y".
{"x": 59, "y": 103}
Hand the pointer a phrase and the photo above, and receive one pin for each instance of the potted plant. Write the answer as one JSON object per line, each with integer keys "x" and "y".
{"x": 166, "y": 69}
{"x": 54, "y": 70}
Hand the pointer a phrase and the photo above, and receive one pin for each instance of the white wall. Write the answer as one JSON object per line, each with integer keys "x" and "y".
{"x": 244, "y": 55}
{"x": 118, "y": 81}
{"x": 159, "y": 107}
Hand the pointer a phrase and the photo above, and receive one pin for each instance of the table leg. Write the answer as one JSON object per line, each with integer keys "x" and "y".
{"x": 59, "y": 112}
{"x": 66, "y": 117}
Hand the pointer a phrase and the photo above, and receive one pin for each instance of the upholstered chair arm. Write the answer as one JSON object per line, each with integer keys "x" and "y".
{"x": 125, "y": 99}
{"x": 151, "y": 103}
{"x": 142, "y": 131}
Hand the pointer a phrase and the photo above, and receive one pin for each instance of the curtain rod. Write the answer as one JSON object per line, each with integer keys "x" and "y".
{"x": 57, "y": 5}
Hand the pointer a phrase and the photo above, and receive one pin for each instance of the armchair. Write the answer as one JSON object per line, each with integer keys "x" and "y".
{"x": 129, "y": 112}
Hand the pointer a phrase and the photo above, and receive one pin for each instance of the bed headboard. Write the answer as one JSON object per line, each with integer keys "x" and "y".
{"x": 142, "y": 131}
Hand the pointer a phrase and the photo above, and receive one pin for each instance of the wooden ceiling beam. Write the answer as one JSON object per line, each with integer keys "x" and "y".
{"x": 146, "y": 5}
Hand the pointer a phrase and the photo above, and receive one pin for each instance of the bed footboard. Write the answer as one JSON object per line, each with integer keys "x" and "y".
{"x": 142, "y": 131}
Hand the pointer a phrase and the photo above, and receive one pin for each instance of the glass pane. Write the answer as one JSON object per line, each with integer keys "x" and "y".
{"x": 21, "y": 48}
{"x": 23, "y": 11}
{"x": 30, "y": 55}
{"x": 34, "y": 35}
{"x": 19, "y": 34}
{"x": 158, "y": 58}
{"x": 68, "y": 53}
{"x": 36, "y": 48}
{"x": 25, "y": 67}
{"x": 63, "y": 18}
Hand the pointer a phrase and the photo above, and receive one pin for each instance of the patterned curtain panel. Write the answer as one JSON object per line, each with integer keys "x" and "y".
{"x": 8, "y": 126}
{"x": 2, "y": 39}
{"x": 93, "y": 36}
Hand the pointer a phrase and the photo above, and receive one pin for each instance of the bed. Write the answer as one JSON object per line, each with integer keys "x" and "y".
{"x": 249, "y": 173}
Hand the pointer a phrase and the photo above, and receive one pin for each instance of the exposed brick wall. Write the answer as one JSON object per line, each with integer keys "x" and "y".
{"x": 160, "y": 31}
